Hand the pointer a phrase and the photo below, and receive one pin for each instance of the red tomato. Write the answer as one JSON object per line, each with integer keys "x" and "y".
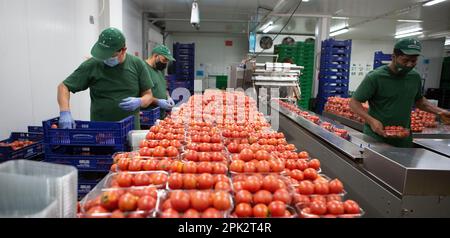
{"x": 165, "y": 143}
{"x": 110, "y": 200}
{"x": 263, "y": 196}
{"x": 219, "y": 168}
{"x": 189, "y": 181}
{"x": 175, "y": 181}
{"x": 336, "y": 186}
{"x": 335, "y": 207}
{"x": 262, "y": 155}
{"x": 163, "y": 165}
{"x": 170, "y": 213}
{"x": 305, "y": 187}
{"x": 146, "y": 203}
{"x": 302, "y": 164}
{"x": 276, "y": 166}
{"x": 123, "y": 164}
{"x": 318, "y": 207}
{"x": 277, "y": 209}
{"x": 204, "y": 147}
{"x": 314, "y": 164}
{"x": 125, "y": 179}
{"x": 243, "y": 210}
{"x": 237, "y": 166}
{"x": 128, "y": 202}
{"x": 117, "y": 214}
{"x": 190, "y": 167}
{"x": 282, "y": 195}
{"x": 243, "y": 196}
{"x": 191, "y": 155}
{"x": 180, "y": 201}
{"x": 205, "y": 181}
{"x": 297, "y": 175}
{"x": 222, "y": 201}
{"x": 149, "y": 165}
{"x": 249, "y": 167}
{"x": 263, "y": 166}
{"x": 260, "y": 211}
{"x": 212, "y": 213}
{"x": 351, "y": 207}
{"x": 252, "y": 184}
{"x": 216, "y": 139}
{"x": 191, "y": 213}
{"x": 204, "y": 167}
{"x": 172, "y": 151}
{"x": 200, "y": 200}
{"x": 141, "y": 180}
{"x": 246, "y": 155}
{"x": 303, "y": 155}
{"x": 233, "y": 148}
{"x": 222, "y": 186}
{"x": 159, "y": 151}
{"x": 270, "y": 183}
{"x": 216, "y": 147}
{"x": 321, "y": 188}
{"x": 310, "y": 174}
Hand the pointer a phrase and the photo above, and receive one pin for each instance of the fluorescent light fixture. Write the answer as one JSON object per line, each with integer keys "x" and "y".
{"x": 412, "y": 21}
{"x": 408, "y": 31}
{"x": 447, "y": 42}
{"x": 433, "y": 2}
{"x": 269, "y": 28}
{"x": 340, "y": 18}
{"x": 408, "y": 34}
{"x": 440, "y": 34}
{"x": 339, "y": 32}
{"x": 305, "y": 0}
{"x": 267, "y": 25}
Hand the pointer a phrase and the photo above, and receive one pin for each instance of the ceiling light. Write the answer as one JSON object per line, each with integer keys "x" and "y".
{"x": 305, "y": 0}
{"x": 431, "y": 3}
{"x": 267, "y": 25}
{"x": 269, "y": 28}
{"x": 339, "y": 32}
{"x": 408, "y": 31}
{"x": 340, "y": 18}
{"x": 447, "y": 42}
{"x": 195, "y": 15}
{"x": 412, "y": 21}
{"x": 408, "y": 34}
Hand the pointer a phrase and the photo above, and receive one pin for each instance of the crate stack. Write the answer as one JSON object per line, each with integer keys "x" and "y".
{"x": 184, "y": 66}
{"x": 381, "y": 59}
{"x": 89, "y": 147}
{"x": 334, "y": 76}
{"x": 302, "y": 54}
{"x": 149, "y": 117}
{"x": 306, "y": 59}
{"x": 23, "y": 145}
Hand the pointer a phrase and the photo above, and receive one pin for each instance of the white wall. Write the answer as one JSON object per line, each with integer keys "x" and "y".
{"x": 430, "y": 63}
{"x": 154, "y": 38}
{"x": 132, "y": 26}
{"x": 210, "y": 49}
{"x": 42, "y": 42}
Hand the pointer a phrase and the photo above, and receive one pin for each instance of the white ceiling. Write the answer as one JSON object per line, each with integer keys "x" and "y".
{"x": 379, "y": 17}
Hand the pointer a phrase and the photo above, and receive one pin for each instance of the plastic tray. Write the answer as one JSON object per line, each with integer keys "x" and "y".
{"x": 89, "y": 133}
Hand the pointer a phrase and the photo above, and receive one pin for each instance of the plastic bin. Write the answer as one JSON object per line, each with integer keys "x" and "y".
{"x": 89, "y": 133}
{"x": 27, "y": 152}
{"x": 149, "y": 117}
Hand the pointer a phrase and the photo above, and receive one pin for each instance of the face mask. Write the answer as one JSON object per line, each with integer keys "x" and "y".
{"x": 160, "y": 66}
{"x": 403, "y": 70}
{"x": 112, "y": 62}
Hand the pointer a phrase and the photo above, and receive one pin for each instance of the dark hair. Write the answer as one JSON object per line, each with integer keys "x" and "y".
{"x": 398, "y": 52}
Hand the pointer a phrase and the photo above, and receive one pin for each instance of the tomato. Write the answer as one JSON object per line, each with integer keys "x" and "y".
{"x": 263, "y": 166}
{"x": 109, "y": 200}
{"x": 113, "y": 168}
{"x": 150, "y": 136}
{"x": 260, "y": 211}
{"x": 336, "y": 186}
{"x": 318, "y": 207}
{"x": 237, "y": 166}
{"x": 149, "y": 165}
{"x": 302, "y": 164}
{"x": 276, "y": 166}
{"x": 301, "y": 199}
{"x": 263, "y": 196}
{"x": 204, "y": 147}
{"x": 191, "y": 213}
{"x": 335, "y": 207}
{"x": 321, "y": 188}
{"x": 243, "y": 196}
{"x": 205, "y": 139}
{"x": 172, "y": 151}
{"x": 334, "y": 197}
{"x": 141, "y": 180}
{"x": 175, "y": 181}
{"x": 163, "y": 165}
{"x": 97, "y": 212}
{"x": 282, "y": 195}
{"x": 170, "y": 213}
{"x": 190, "y": 167}
{"x": 146, "y": 203}
{"x": 212, "y": 213}
{"x": 351, "y": 207}
{"x": 252, "y": 184}
{"x": 246, "y": 155}
{"x": 216, "y": 138}
{"x": 217, "y": 157}
{"x": 222, "y": 186}
{"x": 159, "y": 151}
{"x": 310, "y": 174}
{"x": 180, "y": 201}
{"x": 238, "y": 186}
{"x": 200, "y": 200}
{"x": 189, "y": 181}
{"x": 124, "y": 179}
{"x": 297, "y": 175}
{"x": 117, "y": 214}
{"x": 164, "y": 143}
{"x": 123, "y": 164}
{"x": 243, "y": 146}
{"x": 128, "y": 202}
{"x": 290, "y": 147}
{"x": 167, "y": 204}
{"x": 216, "y": 147}
{"x": 303, "y": 155}
{"x": 249, "y": 167}
{"x": 191, "y": 155}
{"x": 196, "y": 138}
{"x": 205, "y": 181}
{"x": 233, "y": 148}
{"x": 277, "y": 209}
{"x": 270, "y": 183}
{"x": 219, "y": 168}
{"x": 204, "y": 167}
{"x": 150, "y": 191}
{"x": 314, "y": 164}
{"x": 176, "y": 167}
{"x": 222, "y": 201}
{"x": 262, "y": 155}
{"x": 305, "y": 187}
{"x": 243, "y": 210}
{"x": 175, "y": 143}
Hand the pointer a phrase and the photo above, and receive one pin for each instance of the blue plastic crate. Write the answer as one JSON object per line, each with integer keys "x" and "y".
{"x": 184, "y": 64}
{"x": 379, "y": 55}
{"x": 336, "y": 43}
{"x": 334, "y": 58}
{"x": 335, "y": 80}
{"x": 333, "y": 87}
{"x": 188, "y": 72}
{"x": 327, "y": 94}
{"x": 87, "y": 181}
{"x": 327, "y": 74}
{"x": 185, "y": 58}
{"x": 336, "y": 51}
{"x": 36, "y": 129}
{"x": 27, "y": 152}
{"x": 89, "y": 133}
{"x": 178, "y": 45}
{"x": 149, "y": 117}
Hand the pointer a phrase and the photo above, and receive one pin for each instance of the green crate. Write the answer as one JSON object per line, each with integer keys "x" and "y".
{"x": 221, "y": 81}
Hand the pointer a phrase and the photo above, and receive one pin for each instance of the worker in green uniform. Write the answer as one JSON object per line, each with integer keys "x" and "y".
{"x": 156, "y": 65}
{"x": 391, "y": 91}
{"x": 119, "y": 83}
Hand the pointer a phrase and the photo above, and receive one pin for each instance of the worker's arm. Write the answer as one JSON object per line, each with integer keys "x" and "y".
{"x": 63, "y": 98}
{"x": 425, "y": 105}
{"x": 147, "y": 99}
{"x": 376, "y": 125}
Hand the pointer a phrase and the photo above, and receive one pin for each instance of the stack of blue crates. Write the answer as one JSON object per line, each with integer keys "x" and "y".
{"x": 381, "y": 59}
{"x": 149, "y": 117}
{"x": 89, "y": 147}
{"x": 31, "y": 152}
{"x": 334, "y": 76}
{"x": 184, "y": 65}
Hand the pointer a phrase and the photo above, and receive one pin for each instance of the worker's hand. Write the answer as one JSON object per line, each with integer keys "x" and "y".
{"x": 130, "y": 103}
{"x": 164, "y": 104}
{"x": 377, "y": 127}
{"x": 171, "y": 102}
{"x": 66, "y": 121}
{"x": 445, "y": 117}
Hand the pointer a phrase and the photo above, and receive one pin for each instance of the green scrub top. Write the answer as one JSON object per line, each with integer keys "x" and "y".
{"x": 110, "y": 85}
{"x": 391, "y": 98}
{"x": 159, "y": 88}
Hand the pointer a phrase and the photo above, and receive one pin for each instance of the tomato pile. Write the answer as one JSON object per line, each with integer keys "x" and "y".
{"x": 421, "y": 119}
{"x": 215, "y": 157}
{"x": 315, "y": 119}
{"x": 396, "y": 132}
{"x": 18, "y": 144}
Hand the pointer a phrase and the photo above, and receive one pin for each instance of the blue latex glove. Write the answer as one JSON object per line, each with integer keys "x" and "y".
{"x": 164, "y": 104}
{"x": 66, "y": 121}
{"x": 130, "y": 103}
{"x": 171, "y": 102}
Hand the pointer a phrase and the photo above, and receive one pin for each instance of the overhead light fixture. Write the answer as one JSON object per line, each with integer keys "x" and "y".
{"x": 267, "y": 25}
{"x": 195, "y": 15}
{"x": 340, "y": 18}
{"x": 412, "y": 21}
{"x": 447, "y": 42}
{"x": 433, "y": 2}
{"x": 408, "y": 31}
{"x": 339, "y": 32}
{"x": 305, "y": 0}
{"x": 269, "y": 28}
{"x": 440, "y": 34}
{"x": 408, "y": 34}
